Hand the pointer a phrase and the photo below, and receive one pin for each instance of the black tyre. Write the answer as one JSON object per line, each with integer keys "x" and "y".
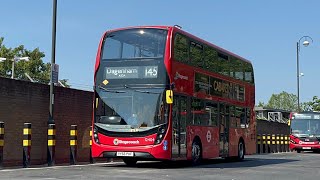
{"x": 196, "y": 152}
{"x": 130, "y": 161}
{"x": 298, "y": 151}
{"x": 241, "y": 151}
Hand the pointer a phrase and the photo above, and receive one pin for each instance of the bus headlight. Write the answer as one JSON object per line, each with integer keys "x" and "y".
{"x": 160, "y": 134}
{"x": 95, "y": 135}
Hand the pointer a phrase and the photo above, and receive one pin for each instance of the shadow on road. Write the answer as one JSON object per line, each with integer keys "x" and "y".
{"x": 214, "y": 163}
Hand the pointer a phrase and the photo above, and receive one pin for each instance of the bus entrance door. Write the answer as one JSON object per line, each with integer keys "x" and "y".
{"x": 224, "y": 129}
{"x": 179, "y": 148}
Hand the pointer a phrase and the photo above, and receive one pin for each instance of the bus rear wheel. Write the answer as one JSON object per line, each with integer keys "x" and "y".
{"x": 130, "y": 161}
{"x": 241, "y": 151}
{"x": 196, "y": 152}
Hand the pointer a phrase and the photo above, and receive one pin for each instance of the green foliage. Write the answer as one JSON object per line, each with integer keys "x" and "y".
{"x": 313, "y": 105}
{"x": 261, "y": 104}
{"x": 284, "y": 101}
{"x": 35, "y": 67}
{"x": 64, "y": 82}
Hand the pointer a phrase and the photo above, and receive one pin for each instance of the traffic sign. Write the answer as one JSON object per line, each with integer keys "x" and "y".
{"x": 55, "y": 73}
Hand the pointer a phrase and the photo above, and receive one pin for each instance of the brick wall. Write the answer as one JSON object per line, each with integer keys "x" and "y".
{"x": 22, "y": 101}
{"x": 267, "y": 127}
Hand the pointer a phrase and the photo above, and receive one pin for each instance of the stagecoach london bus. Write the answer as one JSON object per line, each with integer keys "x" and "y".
{"x": 161, "y": 93}
{"x": 305, "y": 131}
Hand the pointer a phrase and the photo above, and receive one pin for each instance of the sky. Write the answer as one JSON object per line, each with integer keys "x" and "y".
{"x": 264, "y": 32}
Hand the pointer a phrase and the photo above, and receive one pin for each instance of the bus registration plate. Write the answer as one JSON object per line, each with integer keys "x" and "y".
{"x": 306, "y": 147}
{"x": 126, "y": 154}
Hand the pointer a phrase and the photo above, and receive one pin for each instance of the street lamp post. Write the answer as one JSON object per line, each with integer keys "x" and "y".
{"x": 14, "y": 60}
{"x": 305, "y": 43}
{"x": 53, "y": 59}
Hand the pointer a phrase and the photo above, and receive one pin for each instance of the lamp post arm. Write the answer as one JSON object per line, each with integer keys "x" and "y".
{"x": 305, "y": 37}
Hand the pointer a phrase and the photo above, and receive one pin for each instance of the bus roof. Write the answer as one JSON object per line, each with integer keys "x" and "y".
{"x": 185, "y": 33}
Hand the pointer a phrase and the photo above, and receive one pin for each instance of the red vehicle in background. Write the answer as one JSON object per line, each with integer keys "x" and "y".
{"x": 305, "y": 131}
{"x": 163, "y": 94}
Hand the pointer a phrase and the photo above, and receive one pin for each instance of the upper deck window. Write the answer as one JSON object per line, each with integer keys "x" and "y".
{"x": 134, "y": 43}
{"x": 196, "y": 50}
{"x": 201, "y": 55}
{"x": 181, "y": 46}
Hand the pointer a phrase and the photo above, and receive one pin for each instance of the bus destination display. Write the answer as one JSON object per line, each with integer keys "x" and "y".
{"x": 131, "y": 72}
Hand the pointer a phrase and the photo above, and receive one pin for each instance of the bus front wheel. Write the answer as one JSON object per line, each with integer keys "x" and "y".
{"x": 130, "y": 161}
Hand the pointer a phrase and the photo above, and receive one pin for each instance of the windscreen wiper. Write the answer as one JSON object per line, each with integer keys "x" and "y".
{"x": 108, "y": 90}
{"x": 141, "y": 91}
{"x": 148, "y": 92}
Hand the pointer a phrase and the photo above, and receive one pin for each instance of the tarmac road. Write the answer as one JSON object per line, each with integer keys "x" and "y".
{"x": 280, "y": 166}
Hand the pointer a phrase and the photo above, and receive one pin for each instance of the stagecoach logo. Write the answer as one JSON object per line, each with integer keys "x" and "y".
{"x": 179, "y": 76}
{"x": 208, "y": 136}
{"x": 115, "y": 142}
{"x": 118, "y": 142}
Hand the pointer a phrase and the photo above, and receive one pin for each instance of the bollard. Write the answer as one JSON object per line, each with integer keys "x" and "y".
{"x": 26, "y": 144}
{"x": 288, "y": 142}
{"x": 1, "y": 143}
{"x": 281, "y": 143}
{"x": 273, "y": 142}
{"x": 268, "y": 143}
{"x": 51, "y": 144}
{"x": 286, "y": 148}
{"x": 278, "y": 142}
{"x": 259, "y": 143}
{"x": 263, "y": 143}
{"x": 90, "y": 144}
{"x": 73, "y": 144}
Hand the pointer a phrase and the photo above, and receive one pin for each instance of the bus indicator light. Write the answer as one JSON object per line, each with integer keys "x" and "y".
{"x": 169, "y": 96}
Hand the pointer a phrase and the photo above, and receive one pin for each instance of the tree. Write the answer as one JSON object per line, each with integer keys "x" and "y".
{"x": 261, "y": 104}
{"x": 35, "y": 67}
{"x": 284, "y": 101}
{"x": 313, "y": 105}
{"x": 64, "y": 82}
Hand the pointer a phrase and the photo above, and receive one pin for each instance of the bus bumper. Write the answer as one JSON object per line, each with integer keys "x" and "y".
{"x": 303, "y": 147}
{"x": 151, "y": 152}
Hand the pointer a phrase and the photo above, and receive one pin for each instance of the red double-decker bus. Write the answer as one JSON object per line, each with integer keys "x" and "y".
{"x": 305, "y": 131}
{"x": 163, "y": 94}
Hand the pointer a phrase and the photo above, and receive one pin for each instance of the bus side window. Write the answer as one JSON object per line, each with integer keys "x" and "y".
{"x": 212, "y": 110}
{"x": 239, "y": 116}
{"x": 233, "y": 120}
{"x": 196, "y": 50}
{"x": 243, "y": 120}
{"x": 210, "y": 59}
{"x": 181, "y": 46}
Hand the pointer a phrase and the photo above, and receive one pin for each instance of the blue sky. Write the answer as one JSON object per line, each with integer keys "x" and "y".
{"x": 265, "y": 32}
